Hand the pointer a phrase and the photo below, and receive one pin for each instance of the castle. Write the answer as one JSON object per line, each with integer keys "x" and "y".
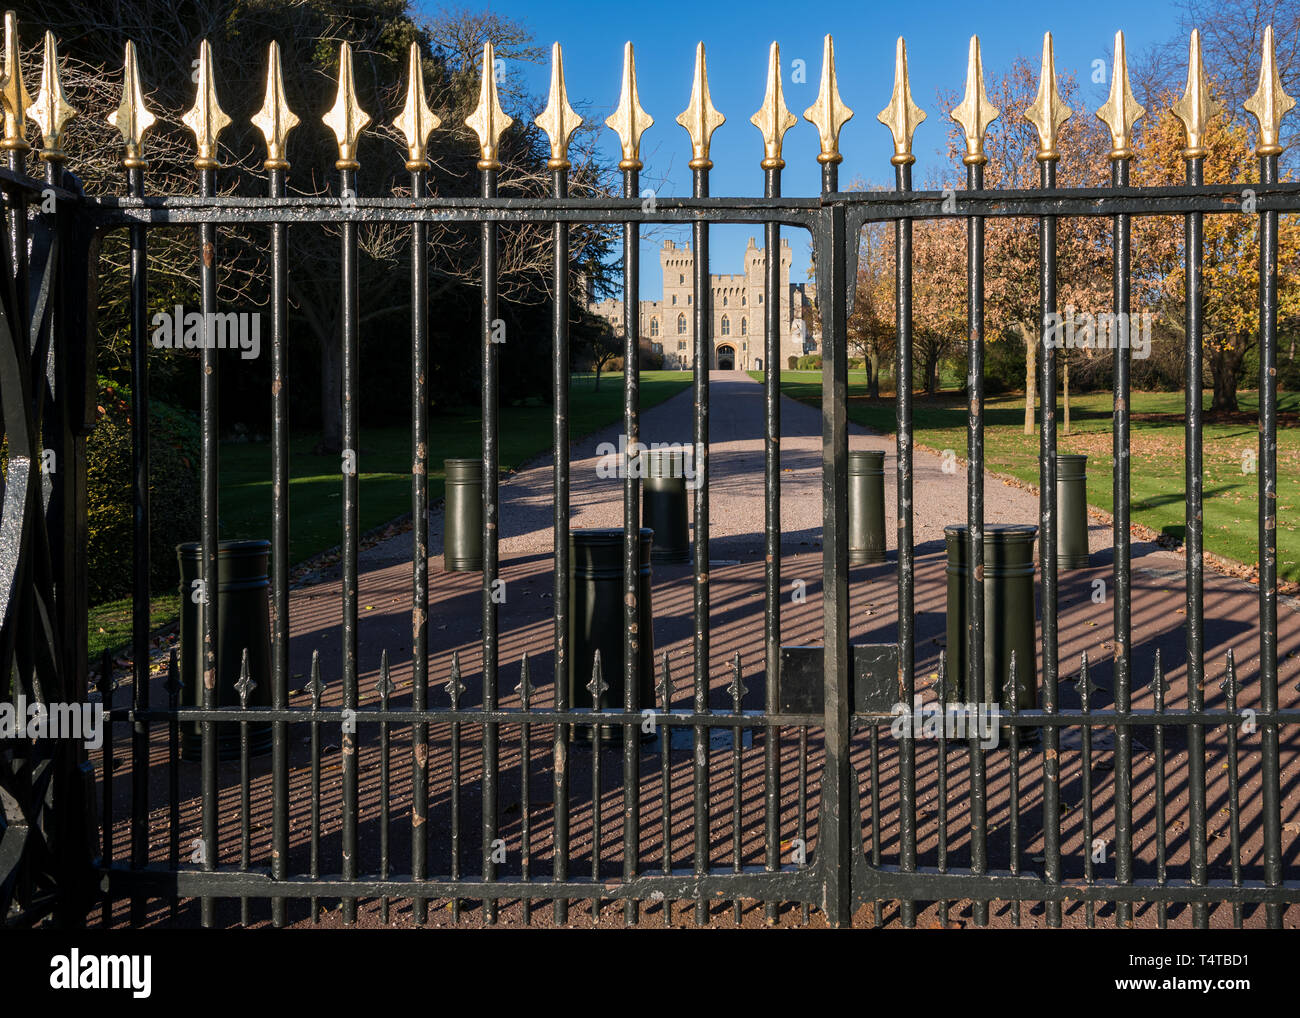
{"x": 739, "y": 318}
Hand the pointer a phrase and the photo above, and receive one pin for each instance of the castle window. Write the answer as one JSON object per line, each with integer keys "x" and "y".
{"x": 760, "y": 298}
{"x": 744, "y": 326}
{"x": 688, "y": 299}
{"x": 681, "y": 344}
{"x": 674, "y": 300}
{"x": 681, "y": 325}
{"x": 744, "y": 300}
{"x": 726, "y": 326}
{"x": 654, "y": 326}
{"x": 724, "y": 300}
{"x": 680, "y": 278}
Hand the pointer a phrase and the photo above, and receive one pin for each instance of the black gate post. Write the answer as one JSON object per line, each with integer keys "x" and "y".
{"x": 835, "y": 835}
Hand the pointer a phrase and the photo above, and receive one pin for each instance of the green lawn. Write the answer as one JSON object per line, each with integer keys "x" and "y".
{"x": 384, "y": 464}
{"x": 1231, "y": 496}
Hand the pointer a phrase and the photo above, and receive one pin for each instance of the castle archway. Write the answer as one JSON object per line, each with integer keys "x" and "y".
{"x": 726, "y": 357}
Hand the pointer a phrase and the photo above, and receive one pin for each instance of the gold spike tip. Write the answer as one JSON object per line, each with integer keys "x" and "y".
{"x": 1121, "y": 111}
{"x": 828, "y": 114}
{"x": 50, "y": 111}
{"x": 700, "y": 118}
{"x": 975, "y": 112}
{"x": 901, "y": 116}
{"x": 488, "y": 120}
{"x": 13, "y": 91}
{"x": 206, "y": 118}
{"x": 416, "y": 121}
{"x": 1196, "y": 107}
{"x": 1049, "y": 111}
{"x": 132, "y": 118}
{"x": 773, "y": 120}
{"x": 1269, "y": 104}
{"x": 346, "y": 118}
{"x": 629, "y": 121}
{"x": 559, "y": 120}
{"x": 275, "y": 120}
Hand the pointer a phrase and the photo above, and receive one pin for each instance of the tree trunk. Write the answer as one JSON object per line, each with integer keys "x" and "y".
{"x": 1029, "y": 382}
{"x": 1223, "y": 369}
{"x": 873, "y": 366}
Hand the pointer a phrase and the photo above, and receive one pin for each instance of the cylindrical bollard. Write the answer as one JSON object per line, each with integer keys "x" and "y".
{"x": 1071, "y": 511}
{"x": 596, "y": 621}
{"x": 243, "y": 623}
{"x": 866, "y": 506}
{"x": 462, "y": 528}
{"x": 1008, "y": 614}
{"x": 663, "y": 504}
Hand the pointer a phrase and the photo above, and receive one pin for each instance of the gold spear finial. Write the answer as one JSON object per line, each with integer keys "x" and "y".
{"x": 206, "y": 118}
{"x": 700, "y": 118}
{"x": 14, "y": 92}
{"x": 901, "y": 116}
{"x": 773, "y": 119}
{"x": 346, "y": 118}
{"x": 488, "y": 120}
{"x": 416, "y": 120}
{"x": 1049, "y": 111}
{"x": 559, "y": 120}
{"x": 275, "y": 120}
{"x": 975, "y": 112}
{"x": 629, "y": 121}
{"x": 1269, "y": 104}
{"x": 828, "y": 114}
{"x": 132, "y": 118}
{"x": 1196, "y": 107}
{"x": 1121, "y": 111}
{"x": 50, "y": 110}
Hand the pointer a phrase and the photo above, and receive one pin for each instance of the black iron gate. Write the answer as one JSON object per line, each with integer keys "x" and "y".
{"x": 405, "y": 757}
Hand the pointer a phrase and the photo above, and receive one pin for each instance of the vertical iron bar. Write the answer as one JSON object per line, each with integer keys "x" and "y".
{"x": 703, "y": 364}
{"x": 1234, "y": 794}
{"x": 349, "y": 739}
{"x": 906, "y": 553}
{"x": 419, "y": 549}
{"x": 280, "y": 549}
{"x": 209, "y": 536}
{"x": 737, "y": 796}
{"x": 1194, "y": 548}
{"x": 981, "y": 688}
{"x": 245, "y": 827}
{"x": 665, "y": 776}
{"x": 772, "y": 529}
{"x": 1123, "y": 798}
{"x": 385, "y": 690}
{"x": 1013, "y": 784}
{"x": 490, "y": 561}
{"x": 1270, "y": 776}
{"x": 632, "y": 637}
{"x": 316, "y": 690}
{"x": 560, "y": 488}
{"x": 525, "y": 769}
{"x": 1085, "y": 688}
{"x": 1047, "y": 561}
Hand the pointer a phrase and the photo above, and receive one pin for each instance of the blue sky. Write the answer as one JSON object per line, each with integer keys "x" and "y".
{"x": 737, "y": 37}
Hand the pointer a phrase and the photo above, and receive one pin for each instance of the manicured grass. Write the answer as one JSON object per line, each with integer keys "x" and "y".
{"x": 384, "y": 465}
{"x": 1156, "y": 456}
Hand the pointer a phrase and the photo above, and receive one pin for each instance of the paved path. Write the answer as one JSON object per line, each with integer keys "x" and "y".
{"x": 736, "y": 575}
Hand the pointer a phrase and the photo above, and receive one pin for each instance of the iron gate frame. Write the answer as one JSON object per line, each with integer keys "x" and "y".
{"x": 844, "y": 873}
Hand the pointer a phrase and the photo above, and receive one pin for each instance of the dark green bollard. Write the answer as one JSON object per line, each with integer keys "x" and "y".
{"x": 663, "y": 504}
{"x": 462, "y": 528}
{"x": 1071, "y": 511}
{"x": 596, "y": 621}
{"x": 243, "y": 623}
{"x": 1008, "y": 614}
{"x": 866, "y": 506}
